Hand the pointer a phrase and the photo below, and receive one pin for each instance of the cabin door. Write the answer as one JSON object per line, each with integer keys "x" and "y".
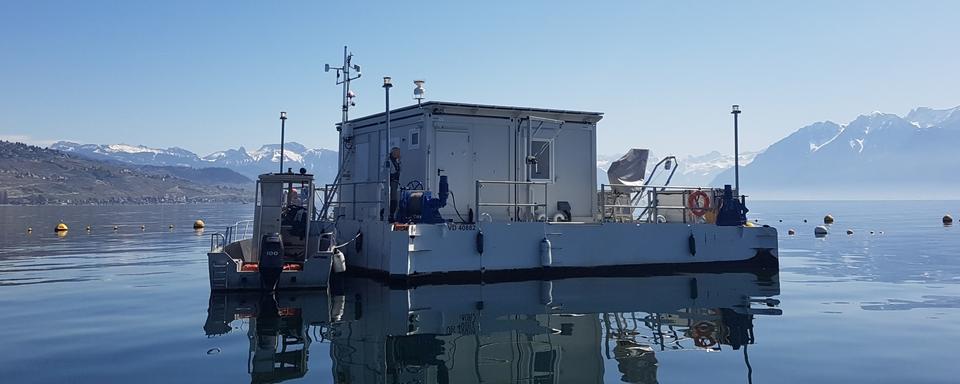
{"x": 455, "y": 160}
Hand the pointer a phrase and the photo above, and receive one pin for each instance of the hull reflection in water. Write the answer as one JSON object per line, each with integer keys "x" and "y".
{"x": 281, "y": 328}
{"x": 561, "y": 331}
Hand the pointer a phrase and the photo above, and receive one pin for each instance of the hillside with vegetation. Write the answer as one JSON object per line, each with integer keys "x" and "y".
{"x": 34, "y": 175}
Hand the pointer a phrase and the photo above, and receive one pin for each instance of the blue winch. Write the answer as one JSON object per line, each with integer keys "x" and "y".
{"x": 733, "y": 211}
{"x": 419, "y": 206}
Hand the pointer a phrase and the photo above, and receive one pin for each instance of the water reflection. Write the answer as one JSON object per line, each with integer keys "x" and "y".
{"x": 280, "y": 328}
{"x": 562, "y": 331}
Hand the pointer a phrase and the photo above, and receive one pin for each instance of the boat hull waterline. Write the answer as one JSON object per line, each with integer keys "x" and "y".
{"x": 517, "y": 250}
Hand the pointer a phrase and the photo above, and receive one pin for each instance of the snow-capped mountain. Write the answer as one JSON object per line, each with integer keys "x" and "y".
{"x": 134, "y": 154}
{"x": 321, "y": 162}
{"x": 877, "y": 155}
{"x": 690, "y": 170}
{"x": 924, "y": 117}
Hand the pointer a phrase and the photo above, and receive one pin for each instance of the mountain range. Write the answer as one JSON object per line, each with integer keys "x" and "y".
{"x": 875, "y": 156}
{"x": 321, "y": 162}
{"x": 690, "y": 170}
{"x": 34, "y": 175}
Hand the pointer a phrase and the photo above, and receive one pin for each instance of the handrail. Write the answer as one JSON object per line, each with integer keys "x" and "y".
{"x": 217, "y": 242}
{"x": 240, "y": 230}
{"x": 336, "y": 187}
{"x": 515, "y": 204}
{"x": 651, "y": 192}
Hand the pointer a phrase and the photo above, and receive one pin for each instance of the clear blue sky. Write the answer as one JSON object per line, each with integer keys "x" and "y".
{"x": 208, "y": 75}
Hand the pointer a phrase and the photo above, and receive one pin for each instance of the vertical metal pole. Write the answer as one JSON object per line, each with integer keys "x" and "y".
{"x": 736, "y": 147}
{"x": 283, "y": 127}
{"x": 386, "y": 160}
{"x": 346, "y": 86}
{"x": 603, "y": 202}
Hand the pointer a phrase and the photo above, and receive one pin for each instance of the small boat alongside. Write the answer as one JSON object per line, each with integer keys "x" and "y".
{"x": 283, "y": 247}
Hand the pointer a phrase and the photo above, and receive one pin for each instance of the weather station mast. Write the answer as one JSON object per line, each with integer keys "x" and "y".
{"x": 345, "y": 74}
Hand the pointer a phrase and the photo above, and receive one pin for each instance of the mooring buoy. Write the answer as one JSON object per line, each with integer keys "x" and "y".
{"x": 828, "y": 219}
{"x": 820, "y": 231}
{"x": 170, "y": 226}
{"x": 199, "y": 224}
{"x": 849, "y": 231}
{"x": 791, "y": 232}
{"x": 29, "y": 229}
{"x": 61, "y": 227}
{"x": 116, "y": 227}
{"x": 88, "y": 228}
{"x": 947, "y": 219}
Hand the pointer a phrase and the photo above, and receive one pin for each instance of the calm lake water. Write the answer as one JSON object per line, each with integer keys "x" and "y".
{"x": 134, "y": 305}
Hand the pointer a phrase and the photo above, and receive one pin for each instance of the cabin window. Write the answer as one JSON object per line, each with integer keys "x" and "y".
{"x": 413, "y": 141}
{"x": 542, "y": 165}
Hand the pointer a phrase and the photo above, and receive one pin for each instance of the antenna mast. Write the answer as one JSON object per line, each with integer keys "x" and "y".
{"x": 344, "y": 77}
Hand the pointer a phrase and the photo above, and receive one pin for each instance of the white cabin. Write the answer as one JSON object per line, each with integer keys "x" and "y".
{"x": 470, "y": 142}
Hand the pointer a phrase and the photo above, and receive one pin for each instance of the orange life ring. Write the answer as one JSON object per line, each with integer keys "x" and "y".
{"x": 703, "y": 336}
{"x": 693, "y": 200}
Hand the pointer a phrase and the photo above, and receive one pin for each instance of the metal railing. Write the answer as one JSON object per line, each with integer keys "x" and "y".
{"x": 217, "y": 242}
{"x": 337, "y": 197}
{"x": 516, "y": 204}
{"x": 240, "y": 230}
{"x": 627, "y": 199}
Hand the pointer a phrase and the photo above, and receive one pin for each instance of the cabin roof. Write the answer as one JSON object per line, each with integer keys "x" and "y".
{"x": 285, "y": 178}
{"x": 446, "y": 107}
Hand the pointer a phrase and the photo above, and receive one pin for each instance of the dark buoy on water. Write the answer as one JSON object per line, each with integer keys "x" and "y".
{"x": 828, "y": 219}
{"x": 199, "y": 224}
{"x": 849, "y": 231}
{"x": 791, "y": 232}
{"x": 947, "y": 219}
{"x": 142, "y": 227}
{"x": 116, "y": 227}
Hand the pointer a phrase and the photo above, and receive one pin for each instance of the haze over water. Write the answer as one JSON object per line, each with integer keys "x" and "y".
{"x": 135, "y": 306}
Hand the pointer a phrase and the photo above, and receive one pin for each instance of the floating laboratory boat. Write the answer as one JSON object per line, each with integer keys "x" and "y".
{"x": 483, "y": 193}
{"x": 497, "y": 192}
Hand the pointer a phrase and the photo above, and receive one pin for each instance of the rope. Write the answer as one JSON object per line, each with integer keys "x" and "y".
{"x": 348, "y": 241}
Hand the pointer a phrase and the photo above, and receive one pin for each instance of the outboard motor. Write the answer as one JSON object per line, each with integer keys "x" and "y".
{"x": 418, "y": 206}
{"x": 271, "y": 261}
